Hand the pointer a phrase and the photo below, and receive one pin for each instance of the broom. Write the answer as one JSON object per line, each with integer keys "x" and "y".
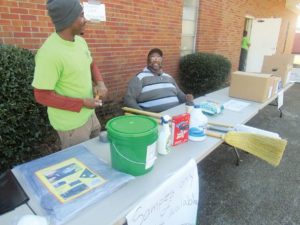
{"x": 221, "y": 127}
{"x": 264, "y": 147}
{"x": 267, "y": 148}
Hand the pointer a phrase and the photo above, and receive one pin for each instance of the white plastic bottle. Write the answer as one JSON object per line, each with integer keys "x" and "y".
{"x": 198, "y": 122}
{"x": 163, "y": 143}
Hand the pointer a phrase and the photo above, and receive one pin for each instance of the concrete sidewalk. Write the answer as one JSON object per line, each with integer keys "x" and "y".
{"x": 255, "y": 193}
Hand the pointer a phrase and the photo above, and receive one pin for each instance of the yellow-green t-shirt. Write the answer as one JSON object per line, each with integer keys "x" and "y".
{"x": 64, "y": 66}
{"x": 245, "y": 43}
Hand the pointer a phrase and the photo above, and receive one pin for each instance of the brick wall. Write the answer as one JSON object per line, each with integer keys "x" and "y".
{"x": 120, "y": 45}
{"x": 221, "y": 24}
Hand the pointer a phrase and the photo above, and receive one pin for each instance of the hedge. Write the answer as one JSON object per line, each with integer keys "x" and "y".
{"x": 201, "y": 73}
{"x": 24, "y": 124}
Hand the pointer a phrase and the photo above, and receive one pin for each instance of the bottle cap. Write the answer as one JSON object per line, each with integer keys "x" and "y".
{"x": 165, "y": 119}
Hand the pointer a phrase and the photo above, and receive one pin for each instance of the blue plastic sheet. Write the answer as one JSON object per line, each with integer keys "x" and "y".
{"x": 56, "y": 211}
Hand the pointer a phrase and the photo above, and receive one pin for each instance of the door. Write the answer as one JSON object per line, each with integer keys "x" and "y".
{"x": 263, "y": 39}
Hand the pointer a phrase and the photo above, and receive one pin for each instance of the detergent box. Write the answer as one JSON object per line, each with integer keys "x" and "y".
{"x": 180, "y": 128}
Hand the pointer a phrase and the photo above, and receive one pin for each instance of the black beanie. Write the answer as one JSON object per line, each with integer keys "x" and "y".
{"x": 63, "y": 12}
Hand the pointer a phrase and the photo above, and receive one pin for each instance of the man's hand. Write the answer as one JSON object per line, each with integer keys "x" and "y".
{"x": 100, "y": 90}
{"x": 92, "y": 103}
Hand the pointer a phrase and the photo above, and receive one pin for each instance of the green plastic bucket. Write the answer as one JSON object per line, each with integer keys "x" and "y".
{"x": 132, "y": 143}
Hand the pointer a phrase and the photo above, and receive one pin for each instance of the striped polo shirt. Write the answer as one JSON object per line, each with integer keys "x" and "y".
{"x": 158, "y": 92}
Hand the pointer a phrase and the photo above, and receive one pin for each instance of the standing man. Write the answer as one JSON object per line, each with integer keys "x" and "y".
{"x": 65, "y": 78}
{"x": 152, "y": 89}
{"x": 244, "y": 51}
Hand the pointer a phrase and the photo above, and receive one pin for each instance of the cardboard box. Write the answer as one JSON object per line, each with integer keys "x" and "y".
{"x": 279, "y": 65}
{"x": 251, "y": 86}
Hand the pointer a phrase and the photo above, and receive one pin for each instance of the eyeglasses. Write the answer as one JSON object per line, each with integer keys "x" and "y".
{"x": 156, "y": 57}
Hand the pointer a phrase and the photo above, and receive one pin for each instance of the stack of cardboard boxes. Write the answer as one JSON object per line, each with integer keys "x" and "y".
{"x": 261, "y": 86}
{"x": 279, "y": 65}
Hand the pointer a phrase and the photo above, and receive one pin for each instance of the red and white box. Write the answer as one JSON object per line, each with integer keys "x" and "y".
{"x": 180, "y": 129}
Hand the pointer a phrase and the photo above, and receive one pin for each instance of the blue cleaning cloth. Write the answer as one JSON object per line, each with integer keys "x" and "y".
{"x": 211, "y": 108}
{"x": 59, "y": 212}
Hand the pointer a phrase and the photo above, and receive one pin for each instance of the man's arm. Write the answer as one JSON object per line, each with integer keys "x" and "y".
{"x": 100, "y": 89}
{"x": 96, "y": 75}
{"x": 133, "y": 90}
{"x": 52, "y": 99}
{"x": 181, "y": 95}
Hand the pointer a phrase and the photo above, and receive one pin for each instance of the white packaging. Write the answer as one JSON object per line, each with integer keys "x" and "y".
{"x": 198, "y": 122}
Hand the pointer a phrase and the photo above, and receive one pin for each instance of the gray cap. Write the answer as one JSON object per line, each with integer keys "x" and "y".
{"x": 63, "y": 12}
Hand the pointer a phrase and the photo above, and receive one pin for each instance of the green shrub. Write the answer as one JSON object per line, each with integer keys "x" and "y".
{"x": 24, "y": 124}
{"x": 201, "y": 73}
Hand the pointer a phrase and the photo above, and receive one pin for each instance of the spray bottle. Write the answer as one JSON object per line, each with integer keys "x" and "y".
{"x": 198, "y": 123}
{"x": 163, "y": 143}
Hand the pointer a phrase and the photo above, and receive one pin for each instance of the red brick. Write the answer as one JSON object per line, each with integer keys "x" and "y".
{"x": 11, "y": 28}
{"x": 18, "y": 10}
{"x": 5, "y": 22}
{"x": 22, "y": 34}
{"x": 28, "y": 17}
{"x": 10, "y": 16}
{"x": 16, "y": 41}
{"x": 6, "y": 34}
{"x": 4, "y": 9}
{"x": 30, "y": 29}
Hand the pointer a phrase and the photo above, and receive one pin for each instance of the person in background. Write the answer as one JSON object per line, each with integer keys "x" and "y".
{"x": 66, "y": 79}
{"x": 244, "y": 51}
{"x": 152, "y": 89}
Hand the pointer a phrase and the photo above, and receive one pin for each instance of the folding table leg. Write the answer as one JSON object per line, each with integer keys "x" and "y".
{"x": 276, "y": 104}
{"x": 236, "y": 153}
{"x": 238, "y": 159}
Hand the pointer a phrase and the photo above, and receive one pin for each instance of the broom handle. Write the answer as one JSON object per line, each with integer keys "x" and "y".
{"x": 132, "y": 114}
{"x": 213, "y": 134}
{"x": 158, "y": 116}
{"x": 158, "y": 121}
{"x": 220, "y": 124}
{"x": 142, "y": 112}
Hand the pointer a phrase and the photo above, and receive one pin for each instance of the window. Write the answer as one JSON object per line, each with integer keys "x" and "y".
{"x": 189, "y": 26}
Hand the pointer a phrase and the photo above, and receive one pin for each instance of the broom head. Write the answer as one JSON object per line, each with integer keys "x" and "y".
{"x": 267, "y": 148}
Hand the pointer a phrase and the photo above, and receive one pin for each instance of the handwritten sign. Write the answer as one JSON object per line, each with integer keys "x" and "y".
{"x": 94, "y": 12}
{"x": 174, "y": 202}
{"x": 280, "y": 99}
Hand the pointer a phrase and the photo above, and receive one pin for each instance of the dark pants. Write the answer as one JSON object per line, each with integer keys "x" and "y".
{"x": 243, "y": 59}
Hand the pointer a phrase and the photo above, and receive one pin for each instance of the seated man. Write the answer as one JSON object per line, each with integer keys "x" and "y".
{"x": 152, "y": 89}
